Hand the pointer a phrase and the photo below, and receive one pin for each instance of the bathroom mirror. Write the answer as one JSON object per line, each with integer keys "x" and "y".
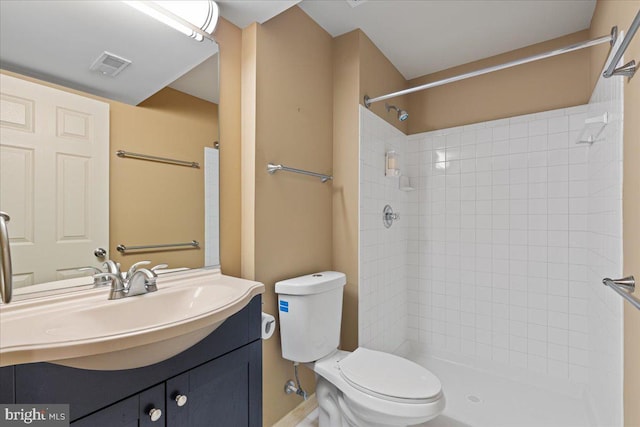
{"x": 163, "y": 104}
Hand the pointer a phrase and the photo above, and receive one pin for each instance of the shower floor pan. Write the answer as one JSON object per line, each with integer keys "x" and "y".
{"x": 481, "y": 399}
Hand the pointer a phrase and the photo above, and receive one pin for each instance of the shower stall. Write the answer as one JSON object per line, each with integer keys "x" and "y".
{"x": 492, "y": 275}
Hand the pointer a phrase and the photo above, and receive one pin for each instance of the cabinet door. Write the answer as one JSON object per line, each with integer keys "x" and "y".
{"x": 152, "y": 400}
{"x": 7, "y": 385}
{"x": 218, "y": 393}
{"x": 121, "y": 414}
{"x": 131, "y": 412}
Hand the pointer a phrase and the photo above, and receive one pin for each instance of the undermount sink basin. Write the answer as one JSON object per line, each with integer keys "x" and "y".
{"x": 86, "y": 330}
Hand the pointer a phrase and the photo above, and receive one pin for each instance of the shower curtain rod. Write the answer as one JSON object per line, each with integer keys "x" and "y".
{"x": 577, "y": 46}
{"x": 629, "y": 68}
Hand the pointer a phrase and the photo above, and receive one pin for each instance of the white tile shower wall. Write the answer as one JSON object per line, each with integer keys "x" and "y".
{"x": 382, "y": 251}
{"x": 498, "y": 246}
{"x": 604, "y": 348}
{"x": 508, "y": 235}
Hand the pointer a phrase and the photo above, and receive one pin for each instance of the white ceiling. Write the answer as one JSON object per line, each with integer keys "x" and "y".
{"x": 58, "y": 40}
{"x": 201, "y": 81}
{"x": 421, "y": 37}
{"x": 244, "y": 12}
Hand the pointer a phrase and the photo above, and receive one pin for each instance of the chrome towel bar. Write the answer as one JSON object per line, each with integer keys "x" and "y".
{"x": 123, "y": 249}
{"x": 624, "y": 287}
{"x": 271, "y": 168}
{"x": 123, "y": 154}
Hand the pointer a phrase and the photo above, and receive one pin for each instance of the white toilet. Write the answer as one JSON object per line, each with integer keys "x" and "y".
{"x": 365, "y": 388}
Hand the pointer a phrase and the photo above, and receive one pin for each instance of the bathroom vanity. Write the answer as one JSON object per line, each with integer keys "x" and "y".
{"x": 217, "y": 382}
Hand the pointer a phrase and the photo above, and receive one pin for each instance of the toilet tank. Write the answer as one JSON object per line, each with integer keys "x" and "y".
{"x": 310, "y": 311}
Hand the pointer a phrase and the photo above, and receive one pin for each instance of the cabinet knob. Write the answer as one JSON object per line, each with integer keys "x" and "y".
{"x": 181, "y": 400}
{"x": 155, "y": 414}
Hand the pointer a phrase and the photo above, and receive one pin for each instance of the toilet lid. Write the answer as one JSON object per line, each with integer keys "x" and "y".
{"x": 389, "y": 376}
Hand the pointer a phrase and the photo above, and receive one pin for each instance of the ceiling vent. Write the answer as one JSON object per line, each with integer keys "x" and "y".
{"x": 109, "y": 64}
{"x": 354, "y": 3}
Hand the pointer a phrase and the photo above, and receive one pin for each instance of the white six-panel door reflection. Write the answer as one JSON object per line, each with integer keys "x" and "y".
{"x": 54, "y": 179}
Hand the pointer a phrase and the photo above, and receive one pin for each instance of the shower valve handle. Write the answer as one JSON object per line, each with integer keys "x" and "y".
{"x": 388, "y": 216}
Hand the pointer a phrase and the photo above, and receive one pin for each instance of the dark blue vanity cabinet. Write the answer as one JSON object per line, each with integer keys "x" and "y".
{"x": 220, "y": 378}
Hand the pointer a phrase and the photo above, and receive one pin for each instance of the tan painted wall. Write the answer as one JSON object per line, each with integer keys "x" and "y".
{"x": 168, "y": 124}
{"x": 248, "y": 161}
{"x": 378, "y": 76}
{"x": 359, "y": 69}
{"x": 557, "y": 82}
{"x": 229, "y": 38}
{"x": 607, "y": 14}
{"x": 289, "y": 59}
{"x": 154, "y": 203}
{"x": 346, "y": 96}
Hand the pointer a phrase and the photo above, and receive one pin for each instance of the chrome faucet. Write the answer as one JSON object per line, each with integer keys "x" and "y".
{"x": 136, "y": 281}
{"x": 117, "y": 285}
{"x": 141, "y": 282}
{"x": 110, "y": 267}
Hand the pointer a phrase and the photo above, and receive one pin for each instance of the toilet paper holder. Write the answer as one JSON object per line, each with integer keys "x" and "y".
{"x": 268, "y": 325}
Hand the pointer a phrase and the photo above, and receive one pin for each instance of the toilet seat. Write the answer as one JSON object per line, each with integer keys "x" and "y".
{"x": 389, "y": 377}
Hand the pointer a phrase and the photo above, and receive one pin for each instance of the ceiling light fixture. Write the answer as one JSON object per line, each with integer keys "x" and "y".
{"x": 196, "y": 19}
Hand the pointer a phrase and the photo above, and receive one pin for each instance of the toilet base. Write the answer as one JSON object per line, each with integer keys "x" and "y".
{"x": 329, "y": 413}
{"x": 339, "y": 405}
{"x": 333, "y": 411}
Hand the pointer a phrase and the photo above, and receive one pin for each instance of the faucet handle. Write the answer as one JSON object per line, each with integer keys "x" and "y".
{"x": 135, "y": 266}
{"x": 150, "y": 284}
{"x": 97, "y": 281}
{"x": 116, "y": 279}
{"x": 159, "y": 267}
{"x": 95, "y": 270}
{"x": 111, "y": 267}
